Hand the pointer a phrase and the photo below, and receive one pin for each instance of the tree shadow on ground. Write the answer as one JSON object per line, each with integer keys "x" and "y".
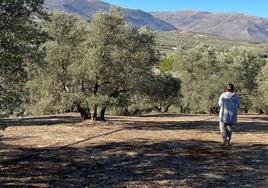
{"x": 137, "y": 162}
{"x": 264, "y": 118}
{"x": 171, "y": 115}
{"x": 39, "y": 121}
{"x": 206, "y": 125}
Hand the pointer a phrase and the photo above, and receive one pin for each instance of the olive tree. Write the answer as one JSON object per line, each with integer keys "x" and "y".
{"x": 198, "y": 70}
{"x": 90, "y": 66}
{"x": 120, "y": 59}
{"x": 54, "y": 87}
{"x": 263, "y": 86}
{"x": 244, "y": 66}
{"x": 159, "y": 93}
{"x": 20, "y": 40}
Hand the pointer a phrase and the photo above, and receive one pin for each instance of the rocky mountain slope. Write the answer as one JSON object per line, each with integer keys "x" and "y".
{"x": 89, "y": 8}
{"x": 227, "y": 25}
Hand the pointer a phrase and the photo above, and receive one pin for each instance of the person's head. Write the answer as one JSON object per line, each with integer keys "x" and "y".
{"x": 230, "y": 87}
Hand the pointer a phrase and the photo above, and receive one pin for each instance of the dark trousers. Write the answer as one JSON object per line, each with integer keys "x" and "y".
{"x": 226, "y": 132}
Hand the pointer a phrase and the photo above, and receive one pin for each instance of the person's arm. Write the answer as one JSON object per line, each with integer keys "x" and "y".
{"x": 220, "y": 101}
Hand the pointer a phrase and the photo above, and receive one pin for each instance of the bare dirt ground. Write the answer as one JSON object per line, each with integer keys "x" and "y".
{"x": 148, "y": 151}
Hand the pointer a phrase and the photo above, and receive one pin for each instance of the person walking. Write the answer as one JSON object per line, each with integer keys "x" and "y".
{"x": 229, "y": 103}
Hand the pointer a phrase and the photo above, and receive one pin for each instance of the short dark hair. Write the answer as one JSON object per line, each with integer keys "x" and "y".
{"x": 230, "y": 87}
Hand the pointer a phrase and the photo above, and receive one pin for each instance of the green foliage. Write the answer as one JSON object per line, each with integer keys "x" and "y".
{"x": 54, "y": 88}
{"x": 119, "y": 57}
{"x": 204, "y": 71}
{"x": 158, "y": 93}
{"x": 91, "y": 65}
{"x": 166, "y": 63}
{"x": 243, "y": 69}
{"x": 198, "y": 71}
{"x": 263, "y": 86}
{"x": 20, "y": 41}
{"x": 237, "y": 61}
{"x": 164, "y": 91}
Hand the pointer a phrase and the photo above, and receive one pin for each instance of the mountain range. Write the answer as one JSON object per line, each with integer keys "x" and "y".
{"x": 235, "y": 26}
{"x": 227, "y": 25}
{"x": 89, "y": 8}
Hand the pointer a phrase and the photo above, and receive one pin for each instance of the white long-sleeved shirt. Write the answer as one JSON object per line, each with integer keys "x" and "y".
{"x": 229, "y": 103}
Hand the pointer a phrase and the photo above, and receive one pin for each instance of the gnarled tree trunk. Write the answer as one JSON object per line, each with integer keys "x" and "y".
{"x": 102, "y": 114}
{"x": 85, "y": 113}
{"x": 159, "y": 109}
{"x": 95, "y": 113}
{"x": 95, "y": 106}
{"x": 167, "y": 108}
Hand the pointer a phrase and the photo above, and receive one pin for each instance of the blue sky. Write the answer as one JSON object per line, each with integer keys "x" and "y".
{"x": 250, "y": 7}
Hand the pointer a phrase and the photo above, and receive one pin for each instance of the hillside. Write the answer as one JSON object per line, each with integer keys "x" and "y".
{"x": 170, "y": 41}
{"x": 226, "y": 25}
{"x": 89, "y": 8}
